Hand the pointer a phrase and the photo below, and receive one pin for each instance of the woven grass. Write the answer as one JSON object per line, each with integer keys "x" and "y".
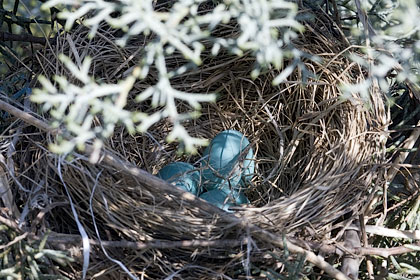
{"x": 316, "y": 160}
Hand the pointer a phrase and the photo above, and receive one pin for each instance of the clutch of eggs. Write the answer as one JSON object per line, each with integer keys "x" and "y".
{"x": 227, "y": 168}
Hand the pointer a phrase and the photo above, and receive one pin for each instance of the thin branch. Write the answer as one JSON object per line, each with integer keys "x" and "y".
{"x": 6, "y": 36}
{"x": 408, "y": 145}
{"x": 309, "y": 255}
{"x": 26, "y": 117}
{"x": 369, "y": 264}
{"x": 336, "y": 14}
{"x": 12, "y": 18}
{"x": 384, "y": 252}
{"x": 350, "y": 262}
{"x": 14, "y": 241}
{"x": 397, "y": 205}
{"x": 360, "y": 251}
{"x": 395, "y": 233}
{"x": 10, "y": 223}
{"x": 195, "y": 243}
{"x": 156, "y": 244}
{"x": 365, "y": 21}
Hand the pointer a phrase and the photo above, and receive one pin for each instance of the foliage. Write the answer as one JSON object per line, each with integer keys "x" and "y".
{"x": 266, "y": 31}
{"x": 16, "y": 17}
{"x": 20, "y": 259}
{"x": 390, "y": 38}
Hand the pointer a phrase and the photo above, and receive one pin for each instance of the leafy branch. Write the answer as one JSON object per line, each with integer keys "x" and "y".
{"x": 266, "y": 31}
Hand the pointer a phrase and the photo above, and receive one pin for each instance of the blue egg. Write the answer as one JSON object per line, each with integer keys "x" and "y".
{"x": 224, "y": 163}
{"x": 218, "y": 198}
{"x": 239, "y": 197}
{"x": 223, "y": 199}
{"x": 181, "y": 174}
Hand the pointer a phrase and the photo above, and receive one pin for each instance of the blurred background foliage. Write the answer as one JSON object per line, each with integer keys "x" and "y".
{"x": 21, "y": 17}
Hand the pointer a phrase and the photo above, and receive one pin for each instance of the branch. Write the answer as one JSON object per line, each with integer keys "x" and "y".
{"x": 365, "y": 20}
{"x": 155, "y": 244}
{"x": 6, "y": 36}
{"x": 14, "y": 241}
{"x": 164, "y": 244}
{"x": 383, "y": 252}
{"x": 360, "y": 251}
{"x": 12, "y": 18}
{"x": 26, "y": 117}
{"x": 350, "y": 263}
{"x": 395, "y": 233}
{"x": 369, "y": 264}
{"x": 9, "y": 223}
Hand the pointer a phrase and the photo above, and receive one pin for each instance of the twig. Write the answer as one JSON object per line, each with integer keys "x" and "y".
{"x": 6, "y": 36}
{"x": 310, "y": 256}
{"x": 28, "y": 118}
{"x": 350, "y": 265}
{"x": 384, "y": 252}
{"x": 408, "y": 145}
{"x": 59, "y": 238}
{"x": 365, "y": 21}
{"x": 12, "y": 18}
{"x": 156, "y": 244}
{"x": 405, "y": 165}
{"x": 5, "y": 191}
{"x": 16, "y": 240}
{"x": 361, "y": 251}
{"x": 369, "y": 264}
{"x": 397, "y": 205}
{"x": 395, "y": 233}
{"x": 336, "y": 14}
{"x": 9, "y": 223}
{"x": 382, "y": 231}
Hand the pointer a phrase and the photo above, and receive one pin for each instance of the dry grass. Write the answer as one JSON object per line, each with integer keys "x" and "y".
{"x": 317, "y": 157}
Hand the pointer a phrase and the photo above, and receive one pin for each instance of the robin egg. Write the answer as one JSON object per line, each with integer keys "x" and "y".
{"x": 182, "y": 175}
{"x": 227, "y": 160}
{"x": 218, "y": 198}
{"x": 223, "y": 199}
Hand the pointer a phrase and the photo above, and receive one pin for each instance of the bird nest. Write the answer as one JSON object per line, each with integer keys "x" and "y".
{"x": 316, "y": 159}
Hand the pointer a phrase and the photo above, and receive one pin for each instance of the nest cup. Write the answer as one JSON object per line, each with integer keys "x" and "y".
{"x": 315, "y": 157}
